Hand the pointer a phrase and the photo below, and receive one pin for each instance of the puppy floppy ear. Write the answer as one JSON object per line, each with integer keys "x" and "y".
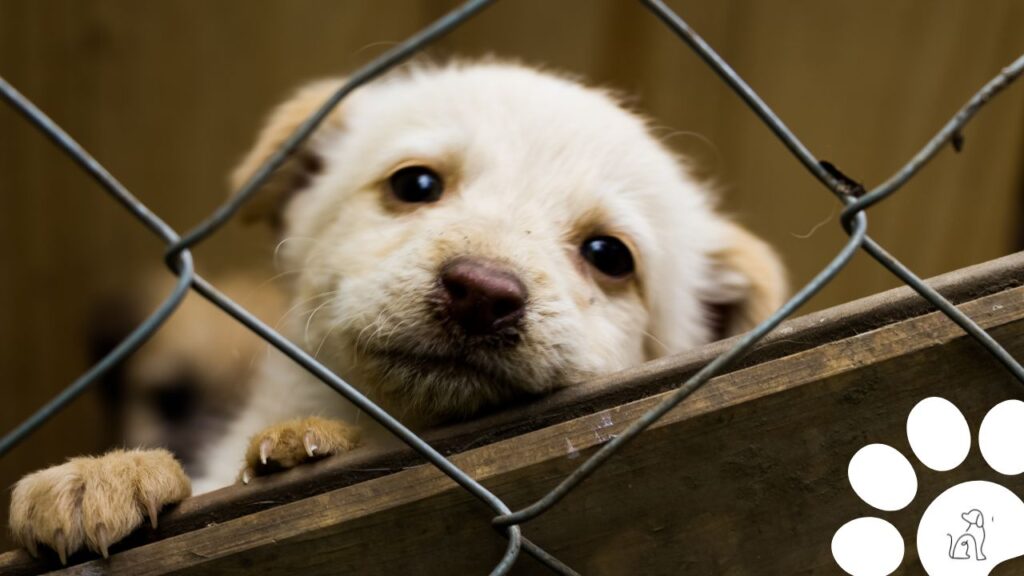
{"x": 748, "y": 283}
{"x": 974, "y": 517}
{"x": 297, "y": 171}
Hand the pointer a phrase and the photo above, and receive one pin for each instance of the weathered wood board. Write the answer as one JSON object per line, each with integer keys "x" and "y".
{"x": 748, "y": 476}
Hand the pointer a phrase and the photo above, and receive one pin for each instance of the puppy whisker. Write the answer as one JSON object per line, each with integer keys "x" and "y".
{"x": 279, "y": 245}
{"x": 395, "y": 329}
{"x": 302, "y": 303}
{"x": 285, "y": 273}
{"x": 320, "y": 346}
{"x": 309, "y": 320}
{"x": 375, "y": 325}
{"x": 664, "y": 347}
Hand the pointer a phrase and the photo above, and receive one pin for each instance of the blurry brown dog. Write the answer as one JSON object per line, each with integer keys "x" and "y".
{"x": 183, "y": 387}
{"x": 463, "y": 236}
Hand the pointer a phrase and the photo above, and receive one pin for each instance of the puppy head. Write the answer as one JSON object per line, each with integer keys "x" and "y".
{"x": 974, "y": 517}
{"x": 470, "y": 233}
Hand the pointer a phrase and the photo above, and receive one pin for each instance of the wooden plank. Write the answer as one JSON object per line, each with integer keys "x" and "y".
{"x": 746, "y": 477}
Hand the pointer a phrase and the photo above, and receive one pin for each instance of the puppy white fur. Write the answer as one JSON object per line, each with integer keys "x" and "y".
{"x": 532, "y": 168}
{"x": 532, "y": 165}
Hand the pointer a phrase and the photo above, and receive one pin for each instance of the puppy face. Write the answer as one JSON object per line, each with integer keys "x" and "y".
{"x": 470, "y": 233}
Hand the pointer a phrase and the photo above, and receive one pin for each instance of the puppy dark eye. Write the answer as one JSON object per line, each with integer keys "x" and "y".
{"x": 609, "y": 255}
{"x": 416, "y": 184}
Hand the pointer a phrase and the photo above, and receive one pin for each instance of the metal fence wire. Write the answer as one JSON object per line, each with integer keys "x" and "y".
{"x": 508, "y": 523}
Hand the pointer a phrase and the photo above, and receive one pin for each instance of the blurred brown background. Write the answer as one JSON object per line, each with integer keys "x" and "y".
{"x": 167, "y": 94}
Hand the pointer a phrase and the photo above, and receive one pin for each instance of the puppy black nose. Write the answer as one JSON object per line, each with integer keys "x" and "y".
{"x": 482, "y": 296}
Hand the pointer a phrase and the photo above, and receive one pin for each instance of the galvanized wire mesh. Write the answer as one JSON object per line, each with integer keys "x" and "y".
{"x": 179, "y": 258}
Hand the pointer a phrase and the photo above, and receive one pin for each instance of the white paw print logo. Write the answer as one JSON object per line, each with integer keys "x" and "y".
{"x": 967, "y": 530}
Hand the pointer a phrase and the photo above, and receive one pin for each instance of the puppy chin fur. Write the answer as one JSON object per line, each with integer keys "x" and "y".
{"x": 533, "y": 164}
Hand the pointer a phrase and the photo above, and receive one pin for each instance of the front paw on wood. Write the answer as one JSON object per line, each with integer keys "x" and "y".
{"x": 291, "y": 443}
{"x": 93, "y": 502}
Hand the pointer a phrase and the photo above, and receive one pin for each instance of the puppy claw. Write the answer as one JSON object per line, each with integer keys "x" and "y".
{"x": 294, "y": 442}
{"x": 102, "y": 540}
{"x": 151, "y": 511}
{"x": 60, "y": 546}
{"x": 93, "y": 502}
{"x": 265, "y": 450}
{"x": 310, "y": 442}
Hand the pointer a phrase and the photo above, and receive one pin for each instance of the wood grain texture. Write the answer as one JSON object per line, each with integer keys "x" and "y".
{"x": 748, "y": 476}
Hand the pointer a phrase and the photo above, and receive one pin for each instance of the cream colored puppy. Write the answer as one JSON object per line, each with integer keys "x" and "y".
{"x": 467, "y": 235}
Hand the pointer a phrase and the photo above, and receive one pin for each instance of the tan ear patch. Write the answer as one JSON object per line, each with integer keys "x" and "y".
{"x": 750, "y": 282}
{"x": 269, "y": 201}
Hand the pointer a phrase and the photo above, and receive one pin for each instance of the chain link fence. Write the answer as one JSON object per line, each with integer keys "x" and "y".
{"x": 855, "y": 198}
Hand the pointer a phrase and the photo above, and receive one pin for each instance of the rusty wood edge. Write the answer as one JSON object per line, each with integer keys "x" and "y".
{"x": 796, "y": 336}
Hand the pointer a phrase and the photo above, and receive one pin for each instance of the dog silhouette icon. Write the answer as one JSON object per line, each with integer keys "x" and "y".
{"x": 970, "y": 544}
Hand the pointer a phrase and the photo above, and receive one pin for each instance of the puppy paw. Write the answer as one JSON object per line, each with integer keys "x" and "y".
{"x": 293, "y": 442}
{"x": 93, "y": 502}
